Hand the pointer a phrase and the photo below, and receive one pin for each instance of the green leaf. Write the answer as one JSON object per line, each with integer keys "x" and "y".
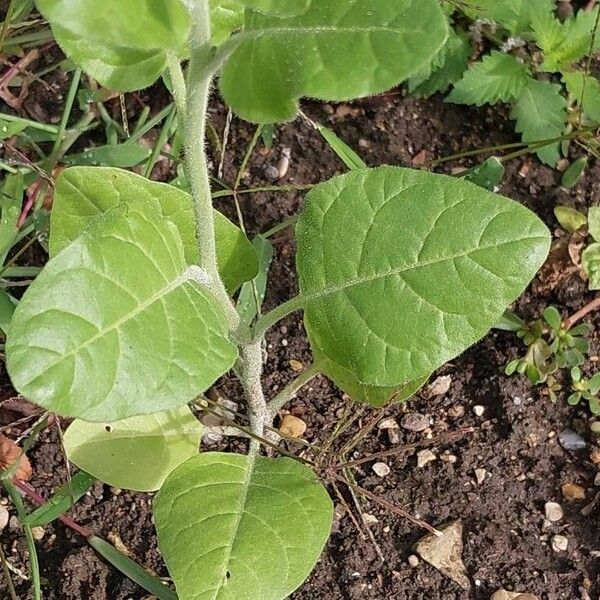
{"x": 346, "y": 154}
{"x": 252, "y": 294}
{"x": 514, "y": 15}
{"x": 7, "y": 309}
{"x": 541, "y": 113}
{"x": 131, "y": 569}
{"x": 138, "y": 24}
{"x": 11, "y": 201}
{"x": 84, "y": 193}
{"x": 590, "y": 260}
{"x": 226, "y": 16}
{"x": 488, "y": 175}
{"x": 585, "y": 90}
{"x": 288, "y": 8}
{"x": 153, "y": 444}
{"x": 10, "y": 128}
{"x": 336, "y": 50}
{"x": 553, "y": 318}
{"x": 509, "y": 321}
{"x": 367, "y": 394}
{"x": 563, "y": 43}
{"x": 497, "y": 78}
{"x": 232, "y": 527}
{"x": 117, "y": 324}
{"x": 447, "y": 67}
{"x": 569, "y": 219}
{"x": 593, "y": 221}
{"x": 115, "y": 67}
{"x": 124, "y": 155}
{"x": 572, "y": 176}
{"x": 401, "y": 270}
{"x": 61, "y": 501}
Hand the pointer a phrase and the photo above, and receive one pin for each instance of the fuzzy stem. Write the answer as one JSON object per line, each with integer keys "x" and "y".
{"x": 251, "y": 371}
{"x": 192, "y": 104}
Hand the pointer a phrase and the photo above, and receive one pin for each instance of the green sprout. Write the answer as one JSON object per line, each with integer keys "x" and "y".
{"x": 550, "y": 347}
{"x": 586, "y": 389}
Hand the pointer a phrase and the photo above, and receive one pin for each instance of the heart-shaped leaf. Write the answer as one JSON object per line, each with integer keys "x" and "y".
{"x": 84, "y": 193}
{"x": 402, "y": 270}
{"x": 118, "y": 324}
{"x": 153, "y": 445}
{"x": 282, "y": 59}
{"x": 232, "y": 527}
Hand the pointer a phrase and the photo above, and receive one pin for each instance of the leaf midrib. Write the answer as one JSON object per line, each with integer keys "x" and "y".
{"x": 317, "y": 295}
{"x": 166, "y": 290}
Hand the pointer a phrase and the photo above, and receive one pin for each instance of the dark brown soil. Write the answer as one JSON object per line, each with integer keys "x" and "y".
{"x": 506, "y": 540}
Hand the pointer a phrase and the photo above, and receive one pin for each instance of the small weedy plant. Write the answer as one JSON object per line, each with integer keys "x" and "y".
{"x": 134, "y": 317}
{"x": 585, "y": 389}
{"x": 537, "y": 63}
{"x": 550, "y": 347}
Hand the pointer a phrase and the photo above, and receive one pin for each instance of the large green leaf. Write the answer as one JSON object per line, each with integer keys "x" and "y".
{"x": 402, "y": 270}
{"x": 230, "y": 527}
{"x": 84, "y": 193}
{"x": 541, "y": 113}
{"x": 282, "y": 59}
{"x": 225, "y": 17}
{"x": 117, "y": 324}
{"x": 514, "y": 15}
{"x": 288, "y": 8}
{"x": 139, "y": 24}
{"x": 496, "y": 78}
{"x": 137, "y": 453}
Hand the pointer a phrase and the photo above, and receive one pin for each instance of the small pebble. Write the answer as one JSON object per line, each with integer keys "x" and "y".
{"x": 413, "y": 561}
{"x": 479, "y": 410}
{"x": 559, "y": 543}
{"x": 440, "y": 386}
{"x": 292, "y": 426}
{"x": 37, "y": 533}
{"x": 597, "y": 479}
{"x": 115, "y": 491}
{"x": 381, "y": 469}
{"x": 370, "y": 519}
{"x": 296, "y": 365}
{"x": 389, "y": 423}
{"x": 553, "y": 511}
{"x": 415, "y": 422}
{"x": 271, "y": 173}
{"x": 480, "y": 475}
{"x": 570, "y": 440}
{"x": 424, "y": 457}
{"x": 595, "y": 456}
{"x": 4, "y": 517}
{"x": 449, "y": 458}
{"x": 573, "y": 491}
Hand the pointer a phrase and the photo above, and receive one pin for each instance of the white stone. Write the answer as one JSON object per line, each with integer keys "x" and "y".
{"x": 559, "y": 543}
{"x": 381, "y": 469}
{"x": 478, "y": 410}
{"x": 480, "y": 475}
{"x": 424, "y": 457}
{"x": 4, "y": 517}
{"x": 553, "y": 511}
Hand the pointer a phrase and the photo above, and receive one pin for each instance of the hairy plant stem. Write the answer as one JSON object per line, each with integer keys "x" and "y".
{"x": 192, "y": 104}
{"x": 250, "y": 372}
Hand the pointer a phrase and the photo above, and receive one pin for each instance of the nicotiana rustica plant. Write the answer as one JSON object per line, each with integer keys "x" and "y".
{"x": 134, "y": 316}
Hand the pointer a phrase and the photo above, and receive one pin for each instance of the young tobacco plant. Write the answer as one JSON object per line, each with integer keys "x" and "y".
{"x": 132, "y": 318}
{"x": 530, "y": 45}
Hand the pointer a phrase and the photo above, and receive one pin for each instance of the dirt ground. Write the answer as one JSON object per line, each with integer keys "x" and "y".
{"x": 506, "y": 538}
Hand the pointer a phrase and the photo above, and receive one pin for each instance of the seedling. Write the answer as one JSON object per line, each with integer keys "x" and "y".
{"x": 529, "y": 45}
{"x": 133, "y": 318}
{"x": 550, "y": 347}
{"x": 585, "y": 389}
